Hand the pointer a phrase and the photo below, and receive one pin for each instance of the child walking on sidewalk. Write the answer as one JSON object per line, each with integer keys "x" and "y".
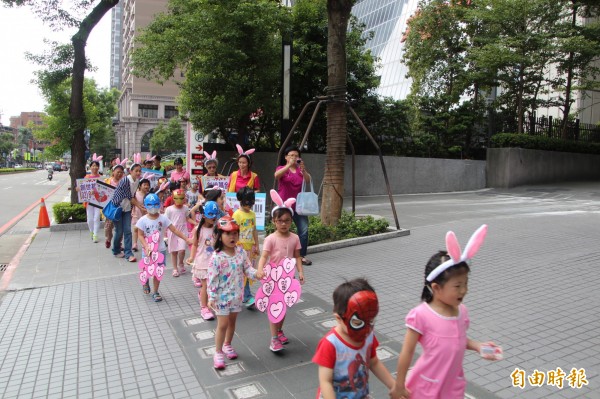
{"x": 226, "y": 272}
{"x": 348, "y": 352}
{"x": 277, "y": 246}
{"x": 246, "y": 219}
{"x": 150, "y": 223}
{"x": 440, "y": 325}
{"x": 178, "y": 215}
{"x": 202, "y": 250}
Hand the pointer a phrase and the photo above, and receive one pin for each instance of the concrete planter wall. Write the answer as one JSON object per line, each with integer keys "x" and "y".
{"x": 511, "y": 167}
{"x": 406, "y": 175}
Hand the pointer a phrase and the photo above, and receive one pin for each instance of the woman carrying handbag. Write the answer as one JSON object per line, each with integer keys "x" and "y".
{"x": 290, "y": 178}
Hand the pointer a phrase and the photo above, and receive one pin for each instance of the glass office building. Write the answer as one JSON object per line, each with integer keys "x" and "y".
{"x": 387, "y": 19}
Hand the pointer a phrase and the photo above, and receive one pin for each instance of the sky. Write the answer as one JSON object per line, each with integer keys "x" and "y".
{"x": 21, "y": 31}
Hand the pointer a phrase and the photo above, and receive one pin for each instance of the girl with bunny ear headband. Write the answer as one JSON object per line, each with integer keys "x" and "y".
{"x": 439, "y": 324}
{"x": 279, "y": 203}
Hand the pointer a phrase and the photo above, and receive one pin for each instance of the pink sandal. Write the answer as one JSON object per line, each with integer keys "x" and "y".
{"x": 175, "y": 273}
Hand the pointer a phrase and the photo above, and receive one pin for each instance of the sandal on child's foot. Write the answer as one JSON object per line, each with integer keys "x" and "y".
{"x": 146, "y": 288}
{"x": 175, "y": 273}
{"x": 197, "y": 282}
{"x": 156, "y": 296}
{"x": 182, "y": 269}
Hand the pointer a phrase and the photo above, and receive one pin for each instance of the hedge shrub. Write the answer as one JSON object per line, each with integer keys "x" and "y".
{"x": 65, "y": 212}
{"x": 501, "y": 140}
{"x": 349, "y": 226}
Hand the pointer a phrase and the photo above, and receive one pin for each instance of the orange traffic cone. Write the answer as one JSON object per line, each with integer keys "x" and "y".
{"x": 43, "y": 219}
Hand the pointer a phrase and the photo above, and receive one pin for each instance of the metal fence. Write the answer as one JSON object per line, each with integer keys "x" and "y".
{"x": 550, "y": 127}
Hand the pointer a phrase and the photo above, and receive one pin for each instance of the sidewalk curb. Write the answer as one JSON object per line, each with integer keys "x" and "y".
{"x": 72, "y": 226}
{"x": 16, "y": 260}
{"x": 350, "y": 242}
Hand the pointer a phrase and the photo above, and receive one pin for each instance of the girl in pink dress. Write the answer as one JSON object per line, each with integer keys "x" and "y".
{"x": 178, "y": 215}
{"x": 136, "y": 213}
{"x": 202, "y": 250}
{"x": 440, "y": 325}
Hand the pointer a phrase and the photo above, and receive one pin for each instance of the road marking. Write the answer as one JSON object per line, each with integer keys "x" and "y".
{"x": 14, "y": 220}
{"x": 7, "y": 188}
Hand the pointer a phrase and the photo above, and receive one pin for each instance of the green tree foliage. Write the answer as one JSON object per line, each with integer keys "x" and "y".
{"x": 99, "y": 107}
{"x": 229, "y": 51}
{"x": 70, "y": 61}
{"x": 167, "y": 139}
{"x": 7, "y": 144}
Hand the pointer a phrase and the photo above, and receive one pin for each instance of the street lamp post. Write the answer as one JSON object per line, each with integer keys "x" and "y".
{"x": 286, "y": 74}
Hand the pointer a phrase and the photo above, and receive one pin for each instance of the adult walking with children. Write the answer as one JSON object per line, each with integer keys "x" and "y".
{"x": 290, "y": 178}
{"x": 243, "y": 177}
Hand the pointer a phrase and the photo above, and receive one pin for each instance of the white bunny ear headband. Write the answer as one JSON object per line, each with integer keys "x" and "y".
{"x": 95, "y": 158}
{"x": 241, "y": 150}
{"x": 280, "y": 203}
{"x": 456, "y": 256}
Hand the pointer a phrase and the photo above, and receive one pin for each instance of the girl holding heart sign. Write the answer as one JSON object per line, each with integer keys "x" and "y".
{"x": 279, "y": 288}
{"x": 151, "y": 232}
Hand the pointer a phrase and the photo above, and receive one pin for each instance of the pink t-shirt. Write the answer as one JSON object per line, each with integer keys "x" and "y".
{"x": 176, "y": 176}
{"x": 438, "y": 373}
{"x": 281, "y": 247}
{"x": 290, "y": 184}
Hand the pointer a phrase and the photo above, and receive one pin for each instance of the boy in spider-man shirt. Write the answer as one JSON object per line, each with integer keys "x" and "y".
{"x": 348, "y": 352}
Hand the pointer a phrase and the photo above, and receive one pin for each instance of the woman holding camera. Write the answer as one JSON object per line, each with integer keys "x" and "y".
{"x": 290, "y": 177}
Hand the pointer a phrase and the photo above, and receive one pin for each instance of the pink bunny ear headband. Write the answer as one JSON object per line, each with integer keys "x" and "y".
{"x": 241, "y": 150}
{"x": 163, "y": 187}
{"x": 456, "y": 256}
{"x": 120, "y": 163}
{"x": 148, "y": 158}
{"x": 280, "y": 203}
{"x": 148, "y": 175}
{"x": 95, "y": 158}
{"x": 137, "y": 159}
{"x": 211, "y": 157}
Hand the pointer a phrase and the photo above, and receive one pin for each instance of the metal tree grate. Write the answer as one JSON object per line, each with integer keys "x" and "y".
{"x": 3, "y": 267}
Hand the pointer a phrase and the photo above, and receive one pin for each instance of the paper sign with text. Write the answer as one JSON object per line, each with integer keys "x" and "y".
{"x": 212, "y": 181}
{"x": 102, "y": 194}
{"x": 260, "y": 203}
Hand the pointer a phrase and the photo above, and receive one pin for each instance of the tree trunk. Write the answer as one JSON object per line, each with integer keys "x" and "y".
{"x": 569, "y": 85}
{"x": 76, "y": 112}
{"x": 338, "y": 12}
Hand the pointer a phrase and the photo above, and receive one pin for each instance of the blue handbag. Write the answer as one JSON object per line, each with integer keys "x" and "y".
{"x": 112, "y": 212}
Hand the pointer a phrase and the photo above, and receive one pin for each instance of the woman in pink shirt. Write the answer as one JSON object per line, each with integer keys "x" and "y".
{"x": 179, "y": 173}
{"x": 290, "y": 177}
{"x": 243, "y": 176}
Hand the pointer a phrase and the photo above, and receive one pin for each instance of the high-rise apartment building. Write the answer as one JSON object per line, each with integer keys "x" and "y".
{"x": 143, "y": 104}
{"x": 387, "y": 19}
{"x": 116, "y": 46}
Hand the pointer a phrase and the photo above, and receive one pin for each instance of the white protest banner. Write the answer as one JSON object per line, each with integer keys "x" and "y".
{"x": 259, "y": 207}
{"x": 211, "y": 181}
{"x": 101, "y": 194}
{"x": 85, "y": 189}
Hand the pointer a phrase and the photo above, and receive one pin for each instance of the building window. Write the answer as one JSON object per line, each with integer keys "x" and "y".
{"x": 148, "y": 111}
{"x": 170, "y": 111}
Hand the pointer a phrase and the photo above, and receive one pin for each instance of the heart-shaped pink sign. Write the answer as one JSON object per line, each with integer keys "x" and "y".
{"x": 276, "y": 309}
{"x": 155, "y": 237}
{"x": 290, "y": 298}
{"x": 150, "y": 269}
{"x": 276, "y": 273}
{"x": 143, "y": 277}
{"x": 289, "y": 265}
{"x": 146, "y": 260}
{"x": 159, "y": 272}
{"x": 284, "y": 284}
{"x": 154, "y": 256}
{"x": 268, "y": 287}
{"x": 261, "y": 304}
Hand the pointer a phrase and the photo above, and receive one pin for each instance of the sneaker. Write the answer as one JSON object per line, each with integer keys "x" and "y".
{"x": 229, "y": 352}
{"x": 95, "y": 238}
{"x": 197, "y": 282}
{"x": 92, "y": 235}
{"x": 206, "y": 313}
{"x": 282, "y": 338}
{"x": 249, "y": 303}
{"x": 219, "y": 360}
{"x": 276, "y": 345}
